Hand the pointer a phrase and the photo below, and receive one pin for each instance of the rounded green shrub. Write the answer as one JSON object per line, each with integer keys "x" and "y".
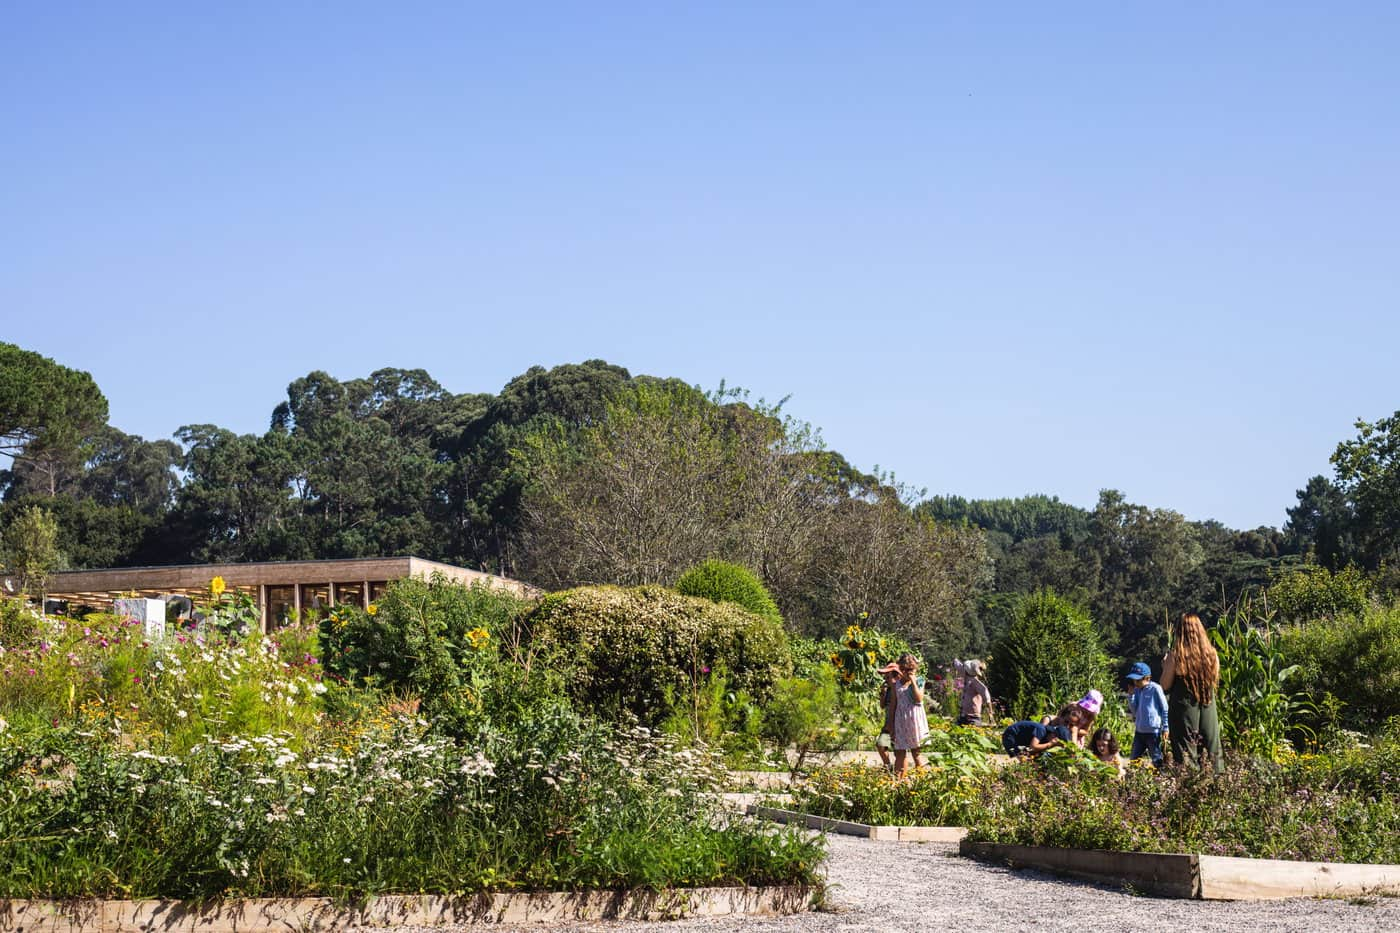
{"x": 648, "y": 649}
{"x": 723, "y": 582}
{"x": 1051, "y": 655}
{"x": 1352, "y": 661}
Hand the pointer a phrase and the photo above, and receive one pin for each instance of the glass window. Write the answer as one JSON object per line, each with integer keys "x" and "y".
{"x": 349, "y": 594}
{"x": 315, "y": 599}
{"x": 281, "y": 604}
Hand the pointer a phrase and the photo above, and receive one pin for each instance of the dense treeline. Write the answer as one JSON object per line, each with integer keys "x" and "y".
{"x": 585, "y": 473}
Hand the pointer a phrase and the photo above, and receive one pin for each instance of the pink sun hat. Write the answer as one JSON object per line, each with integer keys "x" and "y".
{"x": 1093, "y": 702}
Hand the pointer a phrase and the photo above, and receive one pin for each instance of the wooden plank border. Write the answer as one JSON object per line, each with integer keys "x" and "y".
{"x": 1204, "y": 877}
{"x": 863, "y": 830}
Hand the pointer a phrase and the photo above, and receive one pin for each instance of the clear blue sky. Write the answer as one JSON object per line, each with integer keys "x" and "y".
{"x": 1047, "y": 248}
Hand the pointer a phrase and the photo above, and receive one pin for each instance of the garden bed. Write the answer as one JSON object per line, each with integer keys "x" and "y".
{"x": 1202, "y": 877}
{"x": 277, "y": 915}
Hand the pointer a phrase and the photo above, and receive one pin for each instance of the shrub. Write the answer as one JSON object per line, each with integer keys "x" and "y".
{"x": 1312, "y": 592}
{"x": 1051, "y": 655}
{"x": 724, "y": 582}
{"x": 642, "y": 651}
{"x": 1351, "y": 660}
{"x": 434, "y": 639}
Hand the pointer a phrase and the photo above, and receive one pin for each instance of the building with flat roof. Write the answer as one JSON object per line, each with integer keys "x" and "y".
{"x": 282, "y": 590}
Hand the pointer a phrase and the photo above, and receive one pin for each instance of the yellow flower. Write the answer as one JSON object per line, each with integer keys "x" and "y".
{"x": 836, "y": 659}
{"x": 478, "y": 637}
{"x": 372, "y": 608}
{"x": 870, "y": 656}
{"x": 217, "y": 586}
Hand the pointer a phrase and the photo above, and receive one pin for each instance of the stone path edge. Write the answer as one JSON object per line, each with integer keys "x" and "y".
{"x": 1201, "y": 877}
{"x": 265, "y": 915}
{"x": 864, "y": 830}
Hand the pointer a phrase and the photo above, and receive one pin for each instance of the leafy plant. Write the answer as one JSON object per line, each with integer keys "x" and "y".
{"x": 1051, "y": 655}
{"x": 1311, "y": 593}
{"x": 640, "y": 652}
{"x": 1349, "y": 666}
{"x": 725, "y": 582}
{"x": 1256, "y": 707}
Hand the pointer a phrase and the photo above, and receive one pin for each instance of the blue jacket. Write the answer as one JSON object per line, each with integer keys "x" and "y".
{"x": 1149, "y": 706}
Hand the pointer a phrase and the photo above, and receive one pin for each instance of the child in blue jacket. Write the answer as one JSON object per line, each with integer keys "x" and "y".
{"x": 1149, "y": 706}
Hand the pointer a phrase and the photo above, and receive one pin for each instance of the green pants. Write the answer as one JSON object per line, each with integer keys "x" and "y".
{"x": 1194, "y": 728}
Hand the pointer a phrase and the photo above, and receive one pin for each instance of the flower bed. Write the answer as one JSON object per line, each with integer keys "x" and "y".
{"x": 212, "y": 766}
{"x": 1338, "y": 807}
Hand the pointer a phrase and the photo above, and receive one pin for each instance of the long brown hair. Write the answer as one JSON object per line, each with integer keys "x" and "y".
{"x": 1197, "y": 664}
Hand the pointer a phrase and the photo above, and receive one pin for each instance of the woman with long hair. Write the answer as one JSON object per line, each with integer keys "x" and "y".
{"x": 1191, "y": 676}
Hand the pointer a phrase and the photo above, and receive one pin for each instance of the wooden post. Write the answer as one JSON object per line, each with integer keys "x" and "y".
{"x": 262, "y": 607}
{"x": 330, "y": 594}
{"x": 364, "y": 593}
{"x": 296, "y": 600}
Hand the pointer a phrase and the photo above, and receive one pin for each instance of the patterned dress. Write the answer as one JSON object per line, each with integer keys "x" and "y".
{"x": 910, "y": 722}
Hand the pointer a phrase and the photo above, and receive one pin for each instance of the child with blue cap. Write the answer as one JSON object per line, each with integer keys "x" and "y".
{"x": 1149, "y": 706}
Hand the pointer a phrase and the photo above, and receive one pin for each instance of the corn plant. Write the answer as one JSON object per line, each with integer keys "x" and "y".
{"x": 1256, "y": 708}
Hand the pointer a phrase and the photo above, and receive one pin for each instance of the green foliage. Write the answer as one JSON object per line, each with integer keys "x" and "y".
{"x": 1349, "y": 660}
{"x": 1368, "y": 474}
{"x": 942, "y": 794}
{"x": 643, "y": 651}
{"x": 47, "y": 411}
{"x": 805, "y": 713}
{"x": 1257, "y": 709}
{"x": 1313, "y": 592}
{"x": 435, "y": 640}
{"x": 29, "y": 549}
{"x": 725, "y": 582}
{"x": 1049, "y": 656}
{"x": 551, "y": 802}
{"x": 1323, "y": 524}
{"x": 1304, "y": 808}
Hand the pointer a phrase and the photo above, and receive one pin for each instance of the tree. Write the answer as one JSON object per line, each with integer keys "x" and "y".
{"x": 236, "y": 504}
{"x": 1368, "y": 473}
{"x": 1142, "y": 558}
{"x": 908, "y": 575}
{"x": 31, "y": 550}
{"x": 486, "y": 484}
{"x": 1321, "y": 524}
{"x": 47, "y": 411}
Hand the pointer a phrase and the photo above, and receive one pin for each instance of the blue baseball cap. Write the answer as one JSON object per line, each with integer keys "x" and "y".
{"x": 1138, "y": 671}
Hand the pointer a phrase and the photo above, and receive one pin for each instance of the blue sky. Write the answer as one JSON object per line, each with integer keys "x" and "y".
{"x": 1028, "y": 249}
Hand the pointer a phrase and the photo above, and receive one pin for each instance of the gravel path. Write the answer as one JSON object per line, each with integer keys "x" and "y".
{"x": 911, "y": 887}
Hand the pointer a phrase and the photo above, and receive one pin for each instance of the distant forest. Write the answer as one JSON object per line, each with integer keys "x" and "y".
{"x": 585, "y": 473}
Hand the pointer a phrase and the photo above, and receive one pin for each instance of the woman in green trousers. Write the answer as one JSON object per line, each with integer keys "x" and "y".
{"x": 1191, "y": 676}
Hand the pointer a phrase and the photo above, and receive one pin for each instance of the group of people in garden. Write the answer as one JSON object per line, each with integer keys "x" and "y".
{"x": 1176, "y": 713}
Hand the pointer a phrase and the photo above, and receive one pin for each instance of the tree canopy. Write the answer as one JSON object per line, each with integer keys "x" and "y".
{"x": 585, "y": 473}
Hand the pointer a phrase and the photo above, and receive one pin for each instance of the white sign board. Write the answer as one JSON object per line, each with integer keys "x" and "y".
{"x": 149, "y": 612}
